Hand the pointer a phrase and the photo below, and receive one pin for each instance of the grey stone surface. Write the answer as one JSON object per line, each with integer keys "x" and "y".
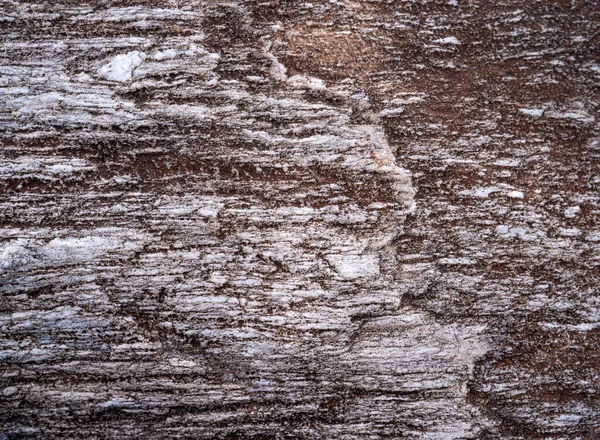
{"x": 314, "y": 220}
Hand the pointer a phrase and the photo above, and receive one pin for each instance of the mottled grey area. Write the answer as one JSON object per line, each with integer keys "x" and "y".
{"x": 311, "y": 220}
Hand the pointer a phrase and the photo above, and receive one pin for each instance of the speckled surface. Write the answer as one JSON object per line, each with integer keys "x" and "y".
{"x": 312, "y": 220}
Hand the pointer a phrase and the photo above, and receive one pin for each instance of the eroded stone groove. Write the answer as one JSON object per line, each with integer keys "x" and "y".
{"x": 198, "y": 243}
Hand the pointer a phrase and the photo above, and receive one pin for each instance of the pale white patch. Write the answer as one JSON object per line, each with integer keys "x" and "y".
{"x": 410, "y": 99}
{"x": 526, "y": 234}
{"x": 481, "y": 192}
{"x": 575, "y": 111}
{"x": 278, "y": 70}
{"x": 570, "y": 232}
{"x": 461, "y": 261}
{"x": 168, "y": 54}
{"x": 307, "y": 82}
{"x": 581, "y": 116}
{"x": 121, "y": 67}
{"x": 189, "y": 50}
{"x": 572, "y": 211}
{"x": 593, "y": 236}
{"x": 79, "y": 249}
{"x": 391, "y": 112}
{"x": 447, "y": 40}
{"x": 178, "y": 362}
{"x": 42, "y": 168}
{"x": 21, "y": 252}
{"x": 594, "y": 144}
{"x": 515, "y": 194}
{"x": 535, "y": 112}
{"x": 355, "y": 266}
{"x": 507, "y": 162}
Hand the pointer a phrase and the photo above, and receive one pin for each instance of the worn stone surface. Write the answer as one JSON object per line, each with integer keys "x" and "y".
{"x": 325, "y": 219}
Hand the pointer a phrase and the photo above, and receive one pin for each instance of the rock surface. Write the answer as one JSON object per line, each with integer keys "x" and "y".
{"x": 314, "y": 220}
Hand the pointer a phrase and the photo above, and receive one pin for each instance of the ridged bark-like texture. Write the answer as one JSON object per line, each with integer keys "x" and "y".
{"x": 210, "y": 229}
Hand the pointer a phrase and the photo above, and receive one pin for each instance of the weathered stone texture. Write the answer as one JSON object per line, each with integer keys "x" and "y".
{"x": 326, "y": 219}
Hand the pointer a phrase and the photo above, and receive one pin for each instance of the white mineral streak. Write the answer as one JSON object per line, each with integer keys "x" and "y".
{"x": 515, "y": 194}
{"x": 448, "y": 40}
{"x": 535, "y": 112}
{"x": 121, "y": 67}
